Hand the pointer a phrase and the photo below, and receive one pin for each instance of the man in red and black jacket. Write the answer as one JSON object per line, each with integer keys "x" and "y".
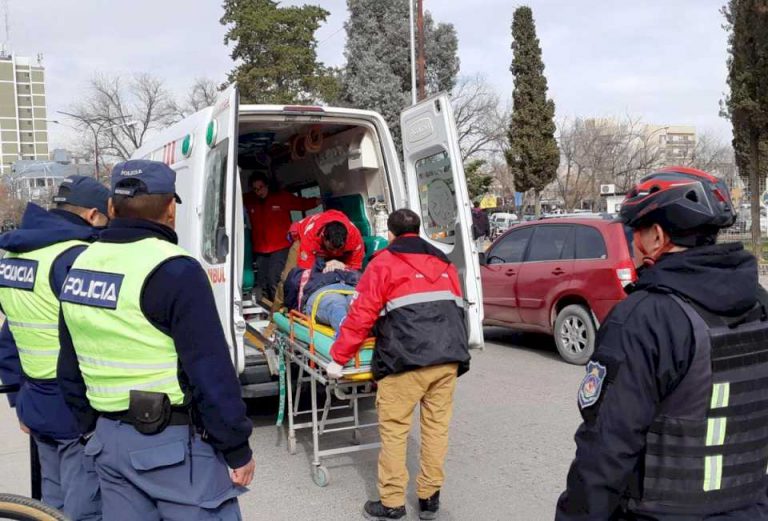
{"x": 410, "y": 298}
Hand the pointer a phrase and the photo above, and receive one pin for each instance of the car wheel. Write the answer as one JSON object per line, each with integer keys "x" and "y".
{"x": 575, "y": 334}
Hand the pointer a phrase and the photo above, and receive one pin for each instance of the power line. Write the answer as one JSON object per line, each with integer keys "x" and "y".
{"x": 337, "y": 31}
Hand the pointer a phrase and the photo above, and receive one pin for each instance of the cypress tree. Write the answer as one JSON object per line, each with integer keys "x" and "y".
{"x": 747, "y": 104}
{"x": 533, "y": 155}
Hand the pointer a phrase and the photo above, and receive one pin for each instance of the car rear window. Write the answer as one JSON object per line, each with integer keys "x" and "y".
{"x": 549, "y": 242}
{"x": 590, "y": 243}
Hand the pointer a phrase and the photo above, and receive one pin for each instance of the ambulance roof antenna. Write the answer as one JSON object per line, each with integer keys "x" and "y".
{"x": 5, "y": 51}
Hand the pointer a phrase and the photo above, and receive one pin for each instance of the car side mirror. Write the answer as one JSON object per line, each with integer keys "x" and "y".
{"x": 482, "y": 258}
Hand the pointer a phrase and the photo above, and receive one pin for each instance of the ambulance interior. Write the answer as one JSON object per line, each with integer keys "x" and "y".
{"x": 339, "y": 162}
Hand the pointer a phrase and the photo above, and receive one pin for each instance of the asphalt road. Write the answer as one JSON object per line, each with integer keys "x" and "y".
{"x": 511, "y": 444}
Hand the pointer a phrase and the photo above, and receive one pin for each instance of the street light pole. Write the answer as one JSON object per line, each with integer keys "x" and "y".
{"x": 422, "y": 58}
{"x": 95, "y": 131}
{"x": 414, "y": 99}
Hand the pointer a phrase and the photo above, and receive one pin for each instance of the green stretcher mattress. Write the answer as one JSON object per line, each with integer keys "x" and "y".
{"x": 322, "y": 339}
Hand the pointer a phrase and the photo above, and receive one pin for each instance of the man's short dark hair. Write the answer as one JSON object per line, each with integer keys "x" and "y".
{"x": 335, "y": 233}
{"x": 150, "y": 207}
{"x": 258, "y": 176}
{"x": 476, "y": 204}
{"x": 403, "y": 221}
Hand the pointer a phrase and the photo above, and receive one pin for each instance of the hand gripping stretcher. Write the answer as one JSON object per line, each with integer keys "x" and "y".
{"x": 301, "y": 342}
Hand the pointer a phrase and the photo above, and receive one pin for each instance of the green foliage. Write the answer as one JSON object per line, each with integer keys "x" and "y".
{"x": 377, "y": 75}
{"x": 477, "y": 182}
{"x": 275, "y": 49}
{"x": 747, "y": 104}
{"x": 533, "y": 155}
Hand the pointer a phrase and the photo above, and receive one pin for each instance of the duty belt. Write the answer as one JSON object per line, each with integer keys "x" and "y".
{"x": 179, "y": 416}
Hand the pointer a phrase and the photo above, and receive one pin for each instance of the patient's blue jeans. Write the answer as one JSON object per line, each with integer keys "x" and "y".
{"x": 333, "y": 307}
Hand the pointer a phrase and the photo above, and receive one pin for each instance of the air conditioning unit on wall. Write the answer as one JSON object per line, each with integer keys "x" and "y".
{"x": 607, "y": 189}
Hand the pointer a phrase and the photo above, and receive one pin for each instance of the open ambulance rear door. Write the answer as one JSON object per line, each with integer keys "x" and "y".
{"x": 219, "y": 218}
{"x": 437, "y": 191}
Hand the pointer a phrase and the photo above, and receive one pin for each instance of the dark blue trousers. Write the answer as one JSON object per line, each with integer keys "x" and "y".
{"x": 167, "y": 476}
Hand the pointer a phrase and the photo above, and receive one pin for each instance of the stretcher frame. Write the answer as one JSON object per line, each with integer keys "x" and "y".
{"x": 356, "y": 384}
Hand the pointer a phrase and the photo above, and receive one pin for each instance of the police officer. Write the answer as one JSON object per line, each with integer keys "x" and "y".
{"x": 31, "y": 277}
{"x": 145, "y": 365}
{"x": 675, "y": 400}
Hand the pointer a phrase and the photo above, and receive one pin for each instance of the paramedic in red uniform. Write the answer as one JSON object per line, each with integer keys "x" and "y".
{"x": 329, "y": 235}
{"x": 270, "y": 215}
{"x": 410, "y": 298}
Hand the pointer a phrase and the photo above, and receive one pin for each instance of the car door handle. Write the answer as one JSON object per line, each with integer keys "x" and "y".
{"x": 558, "y": 271}
{"x": 509, "y": 272}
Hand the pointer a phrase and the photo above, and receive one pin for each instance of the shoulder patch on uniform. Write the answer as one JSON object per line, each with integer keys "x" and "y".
{"x": 18, "y": 273}
{"x": 92, "y": 288}
{"x": 592, "y": 385}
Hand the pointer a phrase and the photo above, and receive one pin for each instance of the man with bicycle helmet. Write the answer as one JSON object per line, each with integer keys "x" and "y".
{"x": 674, "y": 402}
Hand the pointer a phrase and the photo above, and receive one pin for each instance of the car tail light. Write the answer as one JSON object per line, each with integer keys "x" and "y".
{"x": 626, "y": 275}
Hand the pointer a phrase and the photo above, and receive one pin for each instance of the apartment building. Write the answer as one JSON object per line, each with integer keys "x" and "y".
{"x": 23, "y": 126}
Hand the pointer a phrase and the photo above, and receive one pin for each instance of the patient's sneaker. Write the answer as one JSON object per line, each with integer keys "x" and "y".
{"x": 376, "y": 511}
{"x": 428, "y": 507}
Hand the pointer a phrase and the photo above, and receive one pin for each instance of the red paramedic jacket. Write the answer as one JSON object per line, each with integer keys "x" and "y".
{"x": 271, "y": 219}
{"x": 309, "y": 231}
{"x": 410, "y": 298}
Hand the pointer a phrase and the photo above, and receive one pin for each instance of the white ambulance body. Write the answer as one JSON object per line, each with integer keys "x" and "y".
{"x": 346, "y": 156}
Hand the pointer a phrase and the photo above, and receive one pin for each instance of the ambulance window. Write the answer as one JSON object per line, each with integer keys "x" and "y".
{"x": 215, "y": 246}
{"x": 437, "y": 196}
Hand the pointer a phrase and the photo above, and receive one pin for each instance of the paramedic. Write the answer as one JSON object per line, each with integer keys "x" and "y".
{"x": 674, "y": 399}
{"x": 410, "y": 299}
{"x": 31, "y": 276}
{"x": 329, "y": 235}
{"x": 304, "y": 287}
{"x": 269, "y": 213}
{"x": 145, "y": 366}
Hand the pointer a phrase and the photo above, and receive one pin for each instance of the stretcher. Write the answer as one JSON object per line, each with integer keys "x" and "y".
{"x": 303, "y": 343}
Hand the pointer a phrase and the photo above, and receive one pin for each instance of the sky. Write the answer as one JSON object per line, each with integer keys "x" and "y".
{"x": 661, "y": 61}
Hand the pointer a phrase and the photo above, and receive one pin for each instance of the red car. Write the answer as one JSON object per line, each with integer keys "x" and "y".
{"x": 558, "y": 276}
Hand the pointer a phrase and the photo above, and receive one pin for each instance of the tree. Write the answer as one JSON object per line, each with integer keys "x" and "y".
{"x": 747, "y": 103}
{"x": 11, "y": 208}
{"x": 480, "y": 119}
{"x": 477, "y": 182}
{"x": 276, "y": 52}
{"x": 122, "y": 112}
{"x": 377, "y": 75}
{"x": 533, "y": 156}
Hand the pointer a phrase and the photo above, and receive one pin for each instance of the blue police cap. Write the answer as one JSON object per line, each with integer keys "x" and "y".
{"x": 82, "y": 191}
{"x": 141, "y": 176}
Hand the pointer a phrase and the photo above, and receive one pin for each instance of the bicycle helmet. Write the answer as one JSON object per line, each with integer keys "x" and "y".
{"x": 689, "y": 204}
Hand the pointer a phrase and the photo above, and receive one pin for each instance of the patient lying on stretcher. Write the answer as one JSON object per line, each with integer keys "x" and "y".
{"x": 303, "y": 287}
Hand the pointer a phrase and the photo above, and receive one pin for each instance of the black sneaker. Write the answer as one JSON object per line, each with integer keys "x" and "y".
{"x": 375, "y": 511}
{"x": 428, "y": 507}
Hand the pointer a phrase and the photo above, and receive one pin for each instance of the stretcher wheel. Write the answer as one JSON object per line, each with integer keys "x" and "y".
{"x": 321, "y": 476}
{"x": 292, "y": 446}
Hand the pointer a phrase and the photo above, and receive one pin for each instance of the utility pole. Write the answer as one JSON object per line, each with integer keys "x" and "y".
{"x": 422, "y": 57}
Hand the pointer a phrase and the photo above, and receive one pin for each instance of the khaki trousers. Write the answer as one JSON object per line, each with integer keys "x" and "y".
{"x": 397, "y": 397}
{"x": 290, "y": 263}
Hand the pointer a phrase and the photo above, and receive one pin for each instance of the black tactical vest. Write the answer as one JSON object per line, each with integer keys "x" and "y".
{"x": 707, "y": 449}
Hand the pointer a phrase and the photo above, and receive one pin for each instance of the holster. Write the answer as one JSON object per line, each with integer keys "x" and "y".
{"x": 149, "y": 412}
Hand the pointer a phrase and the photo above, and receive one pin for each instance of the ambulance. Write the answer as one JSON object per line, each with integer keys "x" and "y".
{"x": 348, "y": 158}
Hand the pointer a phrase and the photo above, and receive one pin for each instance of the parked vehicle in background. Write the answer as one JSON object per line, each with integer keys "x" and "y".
{"x": 501, "y": 222}
{"x": 557, "y": 276}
